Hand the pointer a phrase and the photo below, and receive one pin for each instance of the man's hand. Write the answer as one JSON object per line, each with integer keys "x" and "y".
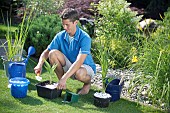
{"x": 38, "y": 70}
{"x": 61, "y": 84}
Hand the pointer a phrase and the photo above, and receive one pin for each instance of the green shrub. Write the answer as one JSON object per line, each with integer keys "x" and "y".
{"x": 42, "y": 31}
{"x": 117, "y": 23}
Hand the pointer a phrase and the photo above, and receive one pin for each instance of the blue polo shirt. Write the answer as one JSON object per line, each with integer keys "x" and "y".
{"x": 80, "y": 44}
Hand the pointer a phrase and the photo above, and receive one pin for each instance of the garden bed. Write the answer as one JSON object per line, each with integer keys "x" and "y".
{"x": 128, "y": 74}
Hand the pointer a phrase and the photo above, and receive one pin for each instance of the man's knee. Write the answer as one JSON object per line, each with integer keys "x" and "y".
{"x": 53, "y": 53}
{"x": 81, "y": 74}
{"x": 56, "y": 55}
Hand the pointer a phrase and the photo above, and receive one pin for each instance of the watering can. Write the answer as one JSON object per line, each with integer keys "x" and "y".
{"x": 18, "y": 69}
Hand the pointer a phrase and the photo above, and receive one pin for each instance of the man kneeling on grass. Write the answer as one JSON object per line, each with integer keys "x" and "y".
{"x": 70, "y": 50}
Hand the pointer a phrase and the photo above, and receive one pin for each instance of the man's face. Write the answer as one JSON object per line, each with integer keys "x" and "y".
{"x": 69, "y": 26}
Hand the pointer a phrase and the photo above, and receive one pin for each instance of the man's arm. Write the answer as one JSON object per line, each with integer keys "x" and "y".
{"x": 43, "y": 57}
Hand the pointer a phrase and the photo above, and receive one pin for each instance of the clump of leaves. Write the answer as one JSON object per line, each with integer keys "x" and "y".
{"x": 102, "y": 56}
{"x": 16, "y": 40}
{"x": 50, "y": 69}
{"x": 116, "y": 22}
{"x": 45, "y": 7}
{"x": 42, "y": 31}
{"x": 154, "y": 65}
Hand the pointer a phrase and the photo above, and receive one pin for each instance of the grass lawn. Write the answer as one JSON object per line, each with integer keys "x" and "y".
{"x": 34, "y": 104}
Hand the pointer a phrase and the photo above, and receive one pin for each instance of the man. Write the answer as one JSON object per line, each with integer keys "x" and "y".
{"x": 70, "y": 50}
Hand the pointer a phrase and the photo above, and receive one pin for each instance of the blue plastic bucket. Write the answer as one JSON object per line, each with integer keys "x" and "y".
{"x": 19, "y": 87}
{"x": 114, "y": 89}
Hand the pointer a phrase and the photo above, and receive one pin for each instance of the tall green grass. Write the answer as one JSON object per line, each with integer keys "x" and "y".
{"x": 15, "y": 40}
{"x": 154, "y": 65}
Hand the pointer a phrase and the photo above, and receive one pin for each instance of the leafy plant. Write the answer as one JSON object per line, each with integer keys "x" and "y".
{"x": 102, "y": 56}
{"x": 154, "y": 65}
{"x": 42, "y": 31}
{"x": 115, "y": 28}
{"x": 16, "y": 43}
{"x": 50, "y": 69}
{"x": 116, "y": 22}
{"x": 45, "y": 7}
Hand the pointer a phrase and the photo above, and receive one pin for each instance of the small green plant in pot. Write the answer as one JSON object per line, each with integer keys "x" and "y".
{"x": 47, "y": 89}
{"x": 102, "y": 99}
{"x": 50, "y": 69}
{"x": 102, "y": 56}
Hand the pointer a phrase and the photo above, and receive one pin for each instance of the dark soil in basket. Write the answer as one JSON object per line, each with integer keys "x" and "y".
{"x": 45, "y": 92}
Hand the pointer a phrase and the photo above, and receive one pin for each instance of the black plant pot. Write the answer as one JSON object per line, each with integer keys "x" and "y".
{"x": 101, "y": 102}
{"x": 47, "y": 92}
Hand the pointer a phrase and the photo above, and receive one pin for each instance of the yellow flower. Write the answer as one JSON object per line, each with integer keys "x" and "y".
{"x": 134, "y": 59}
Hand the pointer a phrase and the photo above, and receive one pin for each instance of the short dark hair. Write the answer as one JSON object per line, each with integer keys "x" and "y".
{"x": 70, "y": 13}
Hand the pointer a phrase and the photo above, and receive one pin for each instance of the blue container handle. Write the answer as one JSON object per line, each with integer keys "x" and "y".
{"x": 31, "y": 51}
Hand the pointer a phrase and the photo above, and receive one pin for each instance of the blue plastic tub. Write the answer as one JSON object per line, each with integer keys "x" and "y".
{"x": 114, "y": 89}
{"x": 19, "y": 87}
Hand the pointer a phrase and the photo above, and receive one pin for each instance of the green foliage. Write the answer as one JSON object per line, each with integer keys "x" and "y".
{"x": 102, "y": 55}
{"x": 50, "y": 69}
{"x": 117, "y": 23}
{"x": 45, "y": 7}
{"x": 89, "y": 29}
{"x": 115, "y": 28}
{"x": 117, "y": 19}
{"x": 154, "y": 63}
{"x": 19, "y": 36}
{"x": 42, "y": 31}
